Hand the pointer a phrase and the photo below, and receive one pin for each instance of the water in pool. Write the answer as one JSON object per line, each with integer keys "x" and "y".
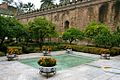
{"x": 64, "y": 61}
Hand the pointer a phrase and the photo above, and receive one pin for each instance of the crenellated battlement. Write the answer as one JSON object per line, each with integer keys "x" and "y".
{"x": 61, "y": 7}
{"x": 72, "y": 3}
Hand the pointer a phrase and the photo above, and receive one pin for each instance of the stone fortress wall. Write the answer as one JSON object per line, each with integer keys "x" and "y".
{"x": 78, "y": 13}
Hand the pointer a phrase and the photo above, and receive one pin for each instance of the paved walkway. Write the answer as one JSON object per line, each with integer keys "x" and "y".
{"x": 14, "y": 70}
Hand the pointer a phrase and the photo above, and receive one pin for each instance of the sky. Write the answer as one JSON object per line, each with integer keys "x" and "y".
{"x": 35, "y": 2}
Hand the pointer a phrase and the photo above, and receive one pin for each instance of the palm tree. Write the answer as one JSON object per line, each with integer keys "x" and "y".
{"x": 46, "y": 3}
{"x": 29, "y": 6}
{"x": 20, "y": 7}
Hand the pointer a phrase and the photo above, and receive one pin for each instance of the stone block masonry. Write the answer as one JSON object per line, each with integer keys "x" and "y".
{"x": 78, "y": 14}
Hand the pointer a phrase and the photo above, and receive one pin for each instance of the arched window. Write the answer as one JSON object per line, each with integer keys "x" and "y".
{"x": 66, "y": 25}
{"x": 103, "y": 11}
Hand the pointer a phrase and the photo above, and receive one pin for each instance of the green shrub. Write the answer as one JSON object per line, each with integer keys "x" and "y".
{"x": 78, "y": 48}
{"x": 96, "y": 50}
{"x": 16, "y": 43}
{"x": 104, "y": 51}
{"x": 3, "y": 48}
{"x": 37, "y": 49}
{"x": 54, "y": 48}
{"x": 2, "y": 53}
{"x": 28, "y": 49}
{"x": 115, "y": 51}
{"x": 57, "y": 48}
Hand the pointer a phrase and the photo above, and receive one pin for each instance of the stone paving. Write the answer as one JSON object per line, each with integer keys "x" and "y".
{"x": 14, "y": 70}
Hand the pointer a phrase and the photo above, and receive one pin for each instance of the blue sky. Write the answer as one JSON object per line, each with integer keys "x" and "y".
{"x": 36, "y": 2}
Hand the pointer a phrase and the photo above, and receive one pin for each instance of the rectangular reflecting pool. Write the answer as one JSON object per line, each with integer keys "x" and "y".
{"x": 64, "y": 61}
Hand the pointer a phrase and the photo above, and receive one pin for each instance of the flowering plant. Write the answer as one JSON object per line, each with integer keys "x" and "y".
{"x": 47, "y": 61}
{"x": 104, "y": 51}
{"x": 12, "y": 51}
{"x": 68, "y": 47}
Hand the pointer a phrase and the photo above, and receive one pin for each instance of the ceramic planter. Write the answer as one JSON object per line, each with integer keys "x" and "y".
{"x": 105, "y": 56}
{"x": 11, "y": 56}
{"x": 47, "y": 70}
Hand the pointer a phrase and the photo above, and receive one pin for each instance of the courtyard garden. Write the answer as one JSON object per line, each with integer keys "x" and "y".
{"x": 62, "y": 40}
{"x": 38, "y": 51}
{"x": 40, "y": 34}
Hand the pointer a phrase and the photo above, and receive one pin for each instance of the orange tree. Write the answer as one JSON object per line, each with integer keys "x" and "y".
{"x": 41, "y": 28}
{"x": 107, "y": 39}
{"x": 72, "y": 34}
{"x": 11, "y": 28}
{"x": 93, "y": 29}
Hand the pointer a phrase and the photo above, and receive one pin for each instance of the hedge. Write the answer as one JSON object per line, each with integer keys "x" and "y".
{"x": 96, "y": 50}
{"x": 86, "y": 49}
{"x": 2, "y": 53}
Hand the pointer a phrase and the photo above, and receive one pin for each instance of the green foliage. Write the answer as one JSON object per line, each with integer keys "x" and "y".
{"x": 21, "y": 7}
{"x": 27, "y": 49}
{"x": 108, "y": 39}
{"x": 72, "y": 34}
{"x": 46, "y": 3}
{"x": 57, "y": 47}
{"x": 93, "y": 29}
{"x": 96, "y": 50}
{"x": 3, "y": 48}
{"x": 41, "y": 28}
{"x": 103, "y": 39}
{"x": 18, "y": 28}
{"x": 11, "y": 28}
{"x": 5, "y": 28}
{"x": 115, "y": 51}
{"x": 116, "y": 38}
{"x": 2, "y": 53}
{"x": 29, "y": 6}
{"x": 101, "y": 35}
{"x": 64, "y": 1}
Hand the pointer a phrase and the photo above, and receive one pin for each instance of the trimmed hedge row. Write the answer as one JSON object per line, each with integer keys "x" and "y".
{"x": 86, "y": 49}
{"x": 96, "y": 50}
{"x": 2, "y": 53}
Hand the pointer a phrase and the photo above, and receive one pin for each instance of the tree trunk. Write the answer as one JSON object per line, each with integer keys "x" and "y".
{"x": 41, "y": 43}
{"x": 70, "y": 42}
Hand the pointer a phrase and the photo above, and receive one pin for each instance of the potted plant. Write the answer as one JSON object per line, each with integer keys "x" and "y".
{"x": 11, "y": 53}
{"x": 69, "y": 49}
{"x": 44, "y": 51}
{"x": 105, "y": 53}
{"x": 47, "y": 65}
